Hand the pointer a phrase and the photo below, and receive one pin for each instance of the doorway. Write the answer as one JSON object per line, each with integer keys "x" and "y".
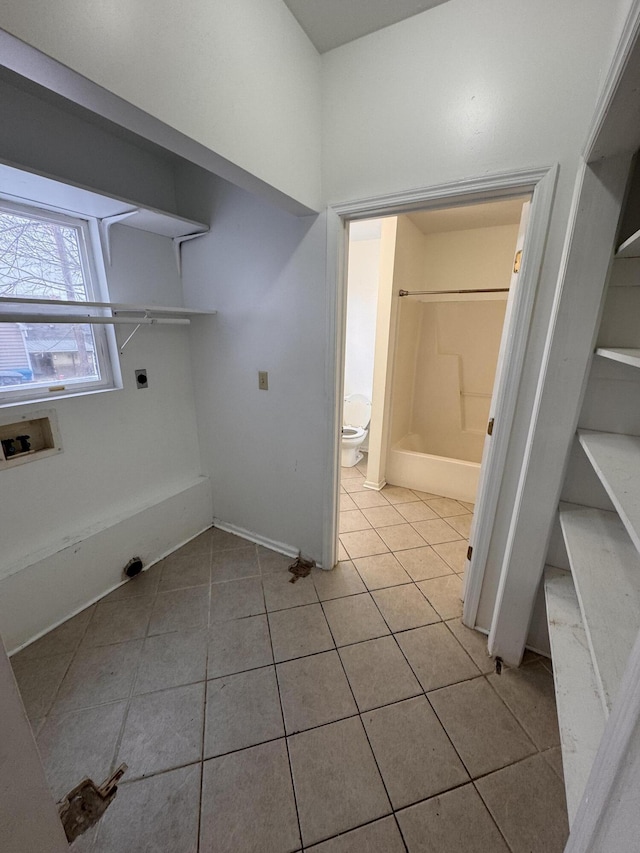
{"x": 517, "y": 311}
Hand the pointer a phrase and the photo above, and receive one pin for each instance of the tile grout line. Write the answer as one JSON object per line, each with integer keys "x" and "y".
{"x": 204, "y": 707}
{"x": 284, "y": 726}
{"x": 364, "y": 728}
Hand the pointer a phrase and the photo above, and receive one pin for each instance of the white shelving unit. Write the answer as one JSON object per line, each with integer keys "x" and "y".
{"x": 581, "y": 716}
{"x": 594, "y": 609}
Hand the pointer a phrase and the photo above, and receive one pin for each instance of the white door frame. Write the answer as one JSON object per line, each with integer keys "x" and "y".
{"x": 541, "y": 184}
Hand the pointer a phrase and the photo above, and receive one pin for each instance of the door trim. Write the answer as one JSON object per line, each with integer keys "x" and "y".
{"x": 541, "y": 184}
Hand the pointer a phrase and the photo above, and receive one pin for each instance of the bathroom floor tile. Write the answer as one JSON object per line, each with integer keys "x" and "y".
{"x": 160, "y": 813}
{"x": 381, "y": 836}
{"x": 351, "y": 520}
{"x": 436, "y": 531}
{"x": 299, "y": 631}
{"x": 423, "y": 563}
{"x": 242, "y": 710}
{"x": 444, "y": 595}
{"x": 436, "y": 657}
{"x": 64, "y": 639}
{"x": 369, "y": 498}
{"x": 163, "y": 730}
{"x": 342, "y": 552}
{"x": 381, "y": 570}
{"x": 248, "y": 802}
{"x": 451, "y": 822}
{"x": 398, "y": 495}
{"x": 484, "y": 732}
{"x": 378, "y": 673}
{"x": 272, "y": 561}
{"x": 235, "y": 564}
{"x": 180, "y": 609}
{"x": 416, "y": 511}
{"x": 117, "y": 621}
{"x": 454, "y": 554}
{"x": 355, "y": 484}
{"x": 314, "y": 690}
{"x": 171, "y": 660}
{"x": 350, "y": 473}
{"x": 424, "y": 496}
{"x": 404, "y": 607}
{"x": 342, "y": 580}
{"x": 236, "y": 599}
{"x": 79, "y": 744}
{"x": 200, "y": 544}
{"x": 98, "y": 675}
{"x": 280, "y": 593}
{"x": 347, "y": 503}
{"x": 223, "y": 541}
{"x": 413, "y": 752}
{"x": 529, "y": 694}
{"x": 354, "y": 619}
{"x": 446, "y": 507}
{"x": 401, "y": 536}
{"x": 461, "y": 523}
{"x": 527, "y": 801}
{"x": 180, "y": 572}
{"x": 382, "y": 516}
{"x": 336, "y": 760}
{"x": 553, "y": 757}
{"x": 239, "y": 645}
{"x": 39, "y": 681}
{"x": 363, "y": 543}
{"x": 474, "y": 643}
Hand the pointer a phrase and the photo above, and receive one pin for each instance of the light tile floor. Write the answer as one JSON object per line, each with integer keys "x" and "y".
{"x": 351, "y": 711}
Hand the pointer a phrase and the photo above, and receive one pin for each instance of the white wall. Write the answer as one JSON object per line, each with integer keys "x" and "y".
{"x": 463, "y": 90}
{"x": 266, "y": 451}
{"x": 241, "y": 78}
{"x": 362, "y": 306}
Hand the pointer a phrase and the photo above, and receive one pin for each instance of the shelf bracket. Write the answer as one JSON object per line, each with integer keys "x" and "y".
{"x": 129, "y": 337}
{"x": 177, "y": 247}
{"x": 105, "y": 229}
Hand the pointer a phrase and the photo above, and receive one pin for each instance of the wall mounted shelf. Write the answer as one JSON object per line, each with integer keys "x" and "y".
{"x": 630, "y": 248}
{"x": 625, "y": 355}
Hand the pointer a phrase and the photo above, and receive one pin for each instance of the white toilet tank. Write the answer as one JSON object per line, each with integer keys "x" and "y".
{"x": 357, "y": 411}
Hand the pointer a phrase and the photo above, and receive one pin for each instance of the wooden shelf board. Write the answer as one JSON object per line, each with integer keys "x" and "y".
{"x": 580, "y": 715}
{"x": 616, "y": 460}
{"x": 606, "y": 573}
{"x": 625, "y": 355}
{"x": 630, "y": 248}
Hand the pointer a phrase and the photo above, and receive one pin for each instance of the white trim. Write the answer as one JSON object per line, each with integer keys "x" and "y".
{"x": 256, "y": 538}
{"x": 541, "y": 183}
{"x": 567, "y": 356}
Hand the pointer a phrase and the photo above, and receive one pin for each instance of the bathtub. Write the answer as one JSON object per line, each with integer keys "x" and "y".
{"x": 409, "y": 466}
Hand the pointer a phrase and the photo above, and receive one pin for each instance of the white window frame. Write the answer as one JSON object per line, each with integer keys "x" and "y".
{"x": 95, "y": 281}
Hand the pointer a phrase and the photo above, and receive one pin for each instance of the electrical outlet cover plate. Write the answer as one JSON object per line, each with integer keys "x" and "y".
{"x": 142, "y": 380}
{"x": 263, "y": 380}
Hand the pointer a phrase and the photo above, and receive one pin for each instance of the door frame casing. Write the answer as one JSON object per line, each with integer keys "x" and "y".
{"x": 541, "y": 184}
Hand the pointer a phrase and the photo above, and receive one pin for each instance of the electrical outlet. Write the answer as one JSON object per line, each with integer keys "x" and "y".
{"x": 263, "y": 380}
{"x": 142, "y": 380}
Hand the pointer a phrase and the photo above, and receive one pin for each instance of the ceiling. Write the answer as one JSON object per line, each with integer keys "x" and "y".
{"x": 330, "y": 23}
{"x": 484, "y": 215}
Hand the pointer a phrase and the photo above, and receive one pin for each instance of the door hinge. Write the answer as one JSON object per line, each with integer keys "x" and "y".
{"x": 469, "y": 552}
{"x": 85, "y": 804}
{"x": 490, "y": 426}
{"x": 517, "y": 261}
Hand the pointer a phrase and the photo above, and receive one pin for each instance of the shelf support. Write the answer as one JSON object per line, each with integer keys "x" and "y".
{"x": 177, "y": 247}
{"x": 105, "y": 229}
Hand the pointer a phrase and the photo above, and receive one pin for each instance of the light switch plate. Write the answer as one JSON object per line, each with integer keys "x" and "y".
{"x": 263, "y": 380}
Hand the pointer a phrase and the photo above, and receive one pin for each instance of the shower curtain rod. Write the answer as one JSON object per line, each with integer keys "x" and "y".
{"x": 438, "y": 292}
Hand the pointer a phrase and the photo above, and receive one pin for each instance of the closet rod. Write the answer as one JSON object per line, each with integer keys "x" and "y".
{"x": 438, "y": 292}
{"x": 86, "y": 319}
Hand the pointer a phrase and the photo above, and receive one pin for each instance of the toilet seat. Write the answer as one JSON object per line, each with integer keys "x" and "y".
{"x": 350, "y": 433}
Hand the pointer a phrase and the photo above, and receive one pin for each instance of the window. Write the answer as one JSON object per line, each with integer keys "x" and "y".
{"x": 49, "y": 256}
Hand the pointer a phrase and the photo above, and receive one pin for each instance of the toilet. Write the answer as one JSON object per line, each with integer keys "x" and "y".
{"x": 355, "y": 418}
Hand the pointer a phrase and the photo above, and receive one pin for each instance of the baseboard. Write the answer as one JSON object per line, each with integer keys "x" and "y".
{"x": 257, "y": 538}
{"x": 377, "y": 487}
{"x": 46, "y": 593}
